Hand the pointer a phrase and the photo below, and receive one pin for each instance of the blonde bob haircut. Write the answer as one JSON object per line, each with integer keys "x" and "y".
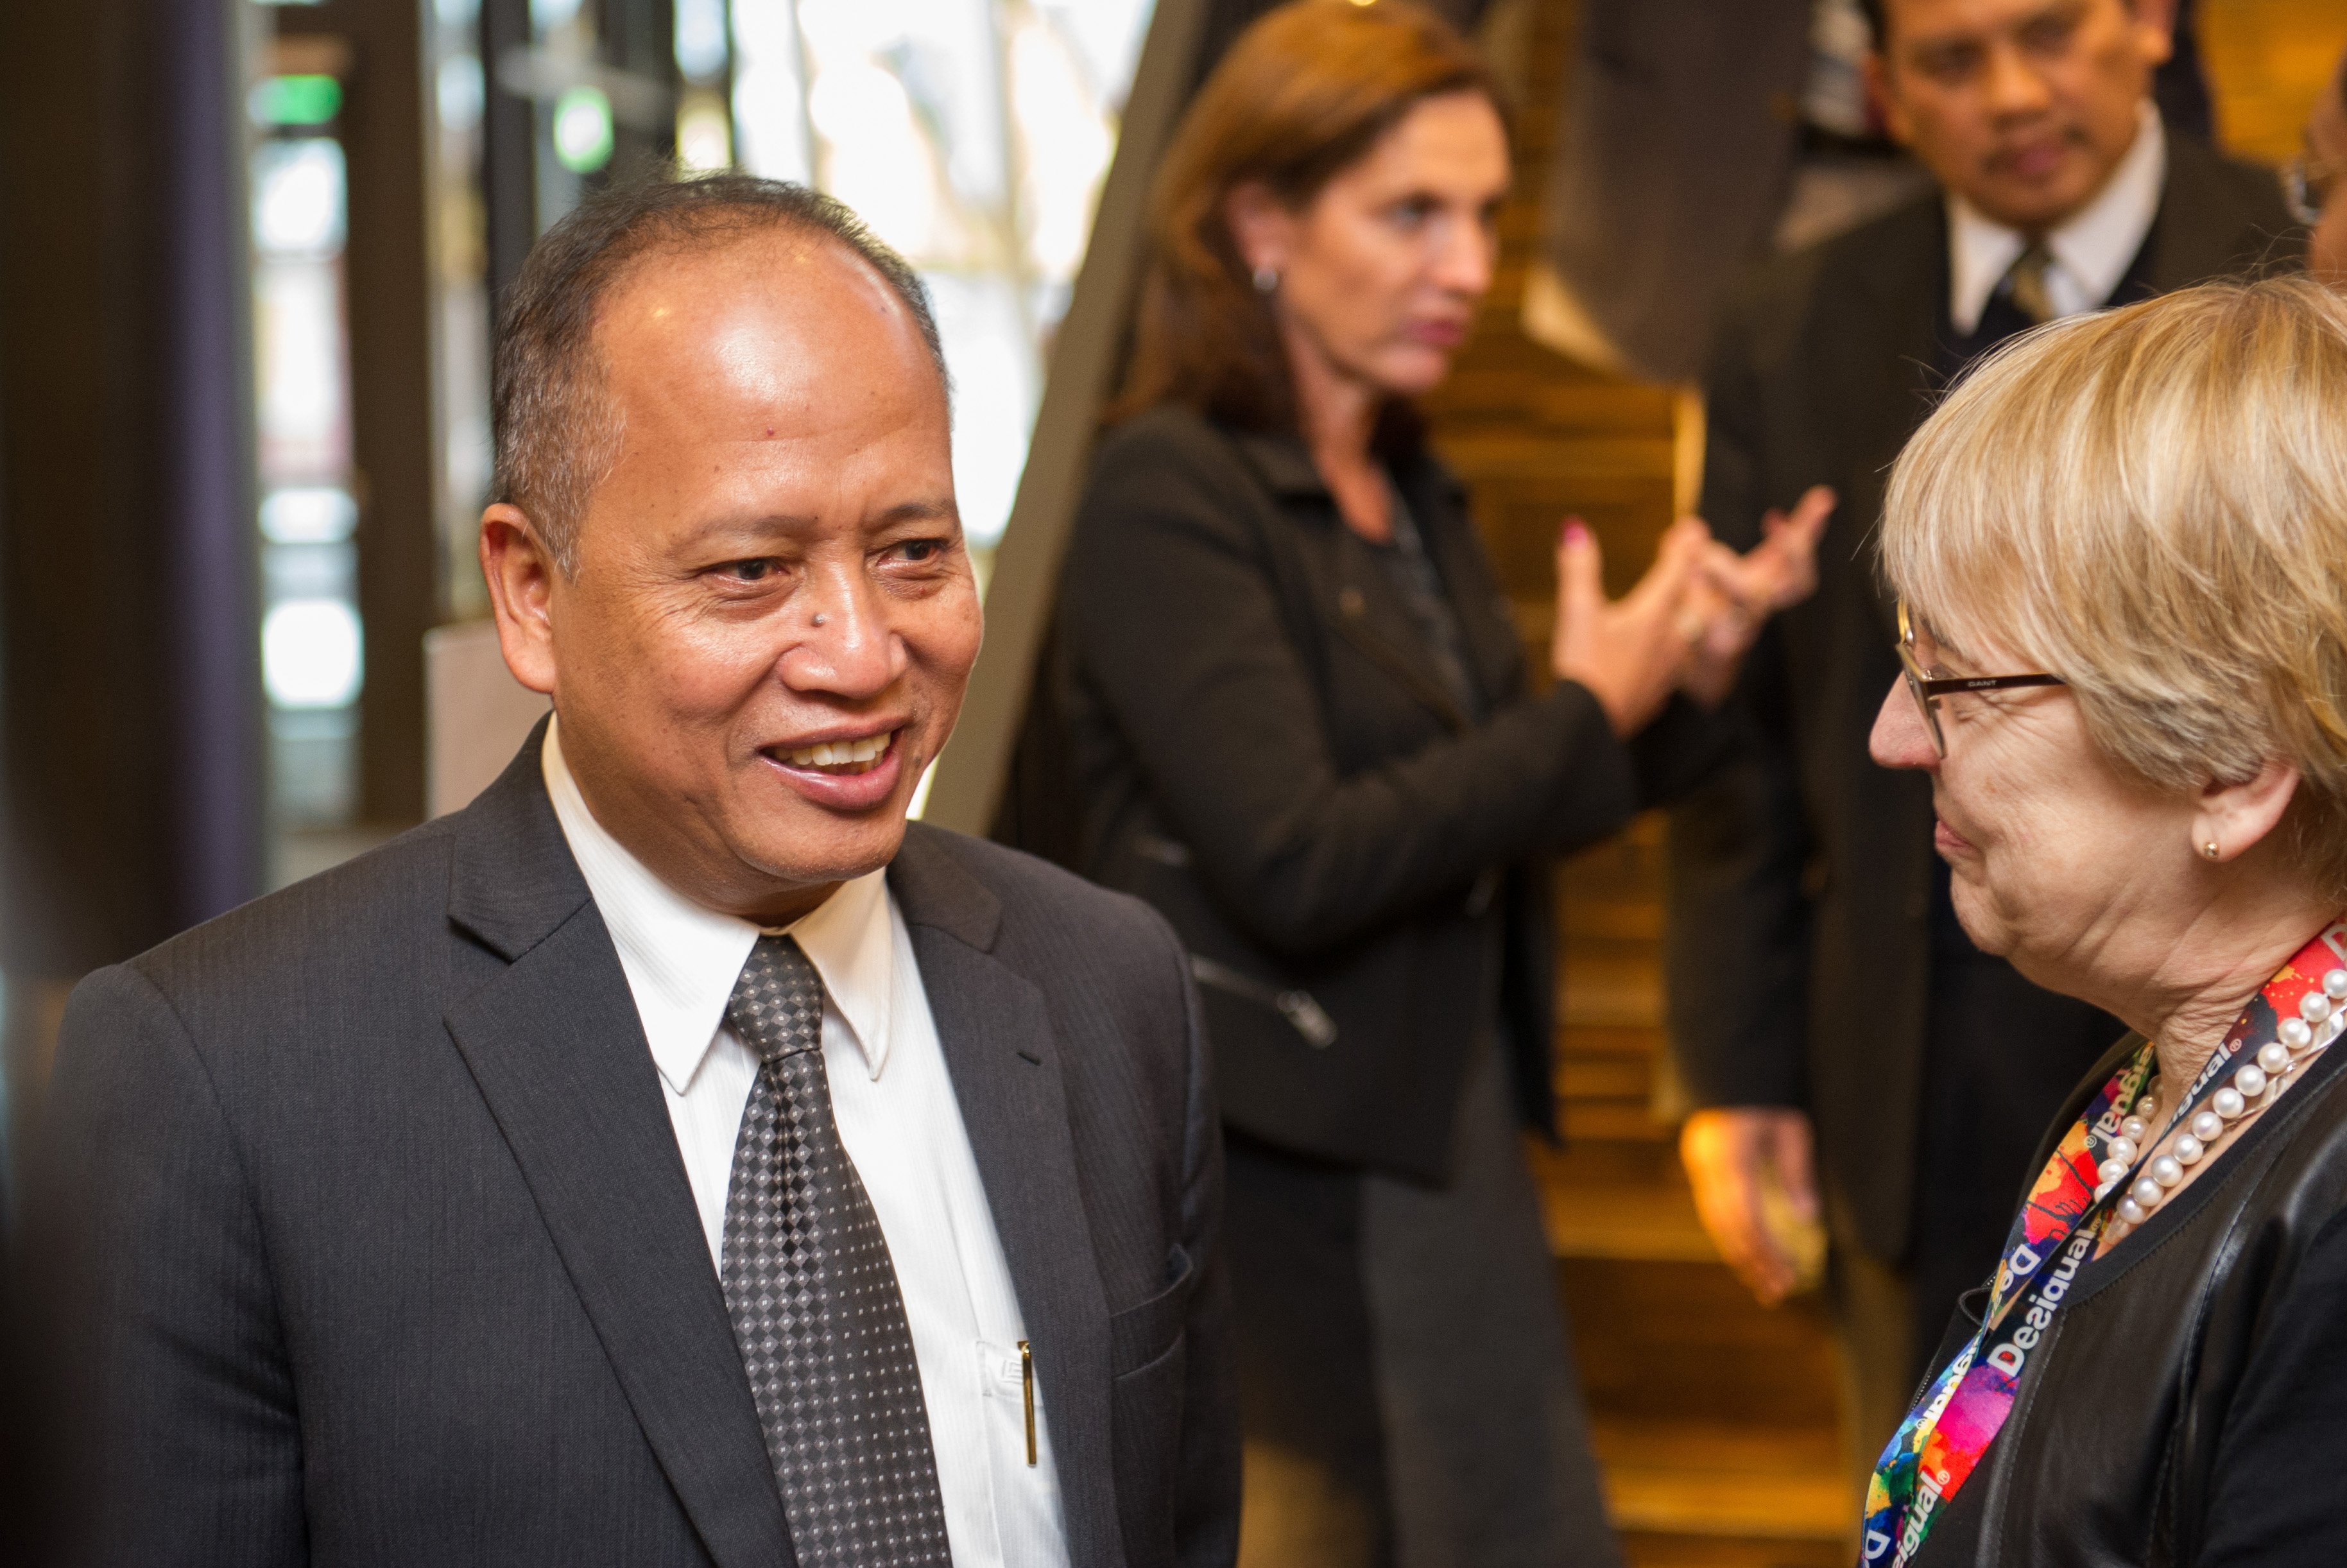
{"x": 2151, "y": 503}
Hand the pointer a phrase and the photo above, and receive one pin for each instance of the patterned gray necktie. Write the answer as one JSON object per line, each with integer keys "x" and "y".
{"x": 815, "y": 1302}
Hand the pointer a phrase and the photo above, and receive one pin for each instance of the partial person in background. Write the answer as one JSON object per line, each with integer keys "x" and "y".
{"x": 1303, "y": 729}
{"x": 2121, "y": 553}
{"x": 2315, "y": 178}
{"x": 1695, "y": 138}
{"x": 1841, "y": 1034}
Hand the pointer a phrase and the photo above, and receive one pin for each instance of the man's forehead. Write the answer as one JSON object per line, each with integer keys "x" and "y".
{"x": 770, "y": 320}
{"x": 809, "y": 281}
{"x": 1925, "y": 22}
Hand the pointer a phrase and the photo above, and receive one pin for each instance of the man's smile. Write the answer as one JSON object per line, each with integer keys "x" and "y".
{"x": 857, "y": 754}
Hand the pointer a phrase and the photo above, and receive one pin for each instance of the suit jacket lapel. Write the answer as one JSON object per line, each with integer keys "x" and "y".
{"x": 2204, "y": 229}
{"x": 1495, "y": 648}
{"x": 1890, "y": 358}
{"x": 1004, "y": 1059}
{"x": 1365, "y": 611}
{"x": 556, "y": 1046}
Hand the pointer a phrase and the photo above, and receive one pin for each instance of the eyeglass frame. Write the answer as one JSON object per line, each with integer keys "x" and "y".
{"x": 2308, "y": 184}
{"x": 1927, "y": 689}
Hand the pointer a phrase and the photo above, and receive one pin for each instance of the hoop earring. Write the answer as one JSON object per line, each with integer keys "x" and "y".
{"x": 1267, "y": 279}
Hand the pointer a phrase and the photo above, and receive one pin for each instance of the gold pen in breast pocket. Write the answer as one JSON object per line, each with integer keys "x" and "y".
{"x": 1027, "y": 1396}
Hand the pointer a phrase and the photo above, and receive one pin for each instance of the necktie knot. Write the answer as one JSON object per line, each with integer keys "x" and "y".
{"x": 777, "y": 1004}
{"x": 2024, "y": 283}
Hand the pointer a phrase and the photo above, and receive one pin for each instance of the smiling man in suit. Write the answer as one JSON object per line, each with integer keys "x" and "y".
{"x": 672, "y": 1157}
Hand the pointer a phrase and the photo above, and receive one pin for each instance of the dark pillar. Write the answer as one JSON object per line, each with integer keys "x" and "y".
{"x": 130, "y": 761}
{"x": 129, "y": 695}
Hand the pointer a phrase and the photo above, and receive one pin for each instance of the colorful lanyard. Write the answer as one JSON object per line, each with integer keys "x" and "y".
{"x": 1942, "y": 1438}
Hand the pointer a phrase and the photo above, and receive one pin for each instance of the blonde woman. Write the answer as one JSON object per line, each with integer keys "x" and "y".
{"x": 2120, "y": 552}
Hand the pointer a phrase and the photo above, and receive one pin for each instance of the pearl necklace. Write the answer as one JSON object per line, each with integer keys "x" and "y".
{"x": 2256, "y": 1085}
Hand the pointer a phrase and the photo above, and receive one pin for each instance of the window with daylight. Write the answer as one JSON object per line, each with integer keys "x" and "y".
{"x": 973, "y": 136}
{"x": 312, "y": 652}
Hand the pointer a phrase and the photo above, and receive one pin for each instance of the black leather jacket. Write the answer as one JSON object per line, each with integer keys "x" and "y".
{"x": 1261, "y": 756}
{"x": 2190, "y": 1403}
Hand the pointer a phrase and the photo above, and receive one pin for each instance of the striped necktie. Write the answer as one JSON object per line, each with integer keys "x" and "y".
{"x": 2024, "y": 283}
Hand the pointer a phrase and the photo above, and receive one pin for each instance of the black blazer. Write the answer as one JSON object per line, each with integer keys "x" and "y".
{"x": 2184, "y": 1406}
{"x": 372, "y": 1243}
{"x": 1801, "y": 878}
{"x": 1264, "y": 756}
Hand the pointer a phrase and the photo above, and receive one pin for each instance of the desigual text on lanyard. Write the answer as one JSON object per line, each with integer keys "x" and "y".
{"x": 2295, "y": 1014}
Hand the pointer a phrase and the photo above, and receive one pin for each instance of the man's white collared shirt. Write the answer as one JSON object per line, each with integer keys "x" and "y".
{"x": 902, "y": 1128}
{"x": 2092, "y": 251}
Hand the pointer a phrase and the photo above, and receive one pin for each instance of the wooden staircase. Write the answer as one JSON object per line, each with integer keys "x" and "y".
{"x": 1715, "y": 1417}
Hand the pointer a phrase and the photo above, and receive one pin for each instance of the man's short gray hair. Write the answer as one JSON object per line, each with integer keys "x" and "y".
{"x": 557, "y": 433}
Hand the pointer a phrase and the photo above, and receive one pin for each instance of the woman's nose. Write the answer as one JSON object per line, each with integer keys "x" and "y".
{"x": 1901, "y": 738}
{"x": 1464, "y": 263}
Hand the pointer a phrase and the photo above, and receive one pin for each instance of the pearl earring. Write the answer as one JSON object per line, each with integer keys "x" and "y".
{"x": 1267, "y": 279}
{"x": 2210, "y": 849}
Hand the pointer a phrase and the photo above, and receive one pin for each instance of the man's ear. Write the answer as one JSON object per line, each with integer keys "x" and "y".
{"x": 520, "y": 572}
{"x": 2155, "y": 24}
{"x": 2236, "y": 817}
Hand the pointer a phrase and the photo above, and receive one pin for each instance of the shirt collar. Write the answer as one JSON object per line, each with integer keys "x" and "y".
{"x": 851, "y": 940}
{"x": 682, "y": 958}
{"x": 2090, "y": 252}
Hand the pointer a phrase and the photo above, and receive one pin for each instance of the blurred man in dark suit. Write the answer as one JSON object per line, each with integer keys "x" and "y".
{"x": 1828, "y": 1012}
{"x": 674, "y": 1157}
{"x": 1694, "y": 137}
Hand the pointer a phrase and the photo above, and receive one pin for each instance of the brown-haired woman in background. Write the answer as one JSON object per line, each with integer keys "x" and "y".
{"x": 1303, "y": 732}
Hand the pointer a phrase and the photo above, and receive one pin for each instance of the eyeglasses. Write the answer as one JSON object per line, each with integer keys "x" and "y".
{"x": 2306, "y": 187}
{"x": 1927, "y": 688}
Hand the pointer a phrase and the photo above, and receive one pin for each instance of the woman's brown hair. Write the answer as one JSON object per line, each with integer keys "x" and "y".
{"x": 1303, "y": 94}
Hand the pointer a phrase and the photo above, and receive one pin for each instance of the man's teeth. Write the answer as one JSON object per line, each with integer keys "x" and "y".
{"x": 856, "y": 757}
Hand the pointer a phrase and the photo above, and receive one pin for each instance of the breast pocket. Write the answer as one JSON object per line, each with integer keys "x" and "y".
{"x": 1141, "y": 1335}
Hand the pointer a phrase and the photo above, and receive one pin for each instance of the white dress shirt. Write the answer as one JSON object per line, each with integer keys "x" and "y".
{"x": 2090, "y": 252}
{"x": 902, "y": 1128}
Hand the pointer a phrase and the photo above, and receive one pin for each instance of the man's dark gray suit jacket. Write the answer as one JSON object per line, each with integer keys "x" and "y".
{"x": 374, "y": 1244}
